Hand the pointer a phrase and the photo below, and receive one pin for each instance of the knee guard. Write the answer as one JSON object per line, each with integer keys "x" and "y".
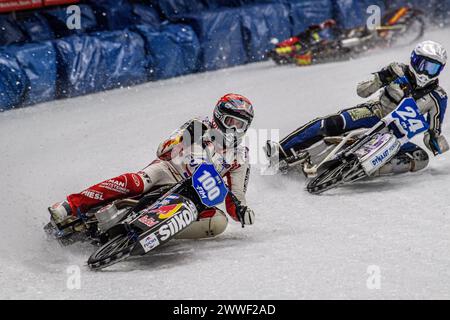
{"x": 146, "y": 180}
{"x": 206, "y": 227}
{"x": 156, "y": 174}
{"x": 420, "y": 159}
{"x": 406, "y": 161}
{"x": 333, "y": 125}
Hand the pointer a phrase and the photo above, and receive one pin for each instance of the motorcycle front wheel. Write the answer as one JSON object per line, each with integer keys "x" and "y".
{"x": 115, "y": 250}
{"x": 336, "y": 175}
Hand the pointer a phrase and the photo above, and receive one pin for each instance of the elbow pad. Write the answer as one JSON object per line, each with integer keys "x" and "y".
{"x": 369, "y": 87}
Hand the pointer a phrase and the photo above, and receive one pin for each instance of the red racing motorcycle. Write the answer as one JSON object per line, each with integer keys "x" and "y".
{"x": 327, "y": 42}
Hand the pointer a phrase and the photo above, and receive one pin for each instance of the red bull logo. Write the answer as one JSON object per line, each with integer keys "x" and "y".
{"x": 165, "y": 212}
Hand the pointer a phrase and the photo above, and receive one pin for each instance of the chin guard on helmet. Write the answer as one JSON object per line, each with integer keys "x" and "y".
{"x": 226, "y": 139}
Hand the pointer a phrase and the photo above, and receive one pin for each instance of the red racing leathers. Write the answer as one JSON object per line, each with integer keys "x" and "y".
{"x": 196, "y": 141}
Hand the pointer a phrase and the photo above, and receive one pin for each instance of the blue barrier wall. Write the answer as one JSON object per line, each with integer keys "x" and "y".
{"x": 170, "y": 8}
{"x": 100, "y": 61}
{"x": 145, "y": 14}
{"x": 261, "y": 23}
{"x": 351, "y": 14}
{"x": 220, "y": 36}
{"x": 38, "y": 62}
{"x": 11, "y": 32}
{"x": 171, "y": 50}
{"x": 112, "y": 14}
{"x": 125, "y": 42}
{"x": 13, "y": 82}
{"x": 307, "y": 12}
{"x": 57, "y": 20}
{"x": 36, "y": 27}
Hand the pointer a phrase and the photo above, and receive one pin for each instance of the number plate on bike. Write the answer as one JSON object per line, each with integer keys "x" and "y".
{"x": 209, "y": 185}
{"x": 408, "y": 118}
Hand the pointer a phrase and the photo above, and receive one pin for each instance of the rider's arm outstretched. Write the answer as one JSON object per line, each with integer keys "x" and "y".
{"x": 380, "y": 79}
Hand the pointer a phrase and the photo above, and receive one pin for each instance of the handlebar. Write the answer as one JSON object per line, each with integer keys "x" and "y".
{"x": 184, "y": 188}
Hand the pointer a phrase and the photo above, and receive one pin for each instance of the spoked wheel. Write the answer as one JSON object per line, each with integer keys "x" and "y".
{"x": 117, "y": 249}
{"x": 414, "y": 31}
{"x": 407, "y": 30}
{"x": 281, "y": 60}
{"x": 336, "y": 176}
{"x": 328, "y": 179}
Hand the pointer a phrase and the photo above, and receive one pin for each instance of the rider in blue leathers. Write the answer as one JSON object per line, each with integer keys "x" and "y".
{"x": 395, "y": 82}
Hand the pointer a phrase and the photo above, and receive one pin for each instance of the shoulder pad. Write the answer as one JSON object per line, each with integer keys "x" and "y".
{"x": 398, "y": 68}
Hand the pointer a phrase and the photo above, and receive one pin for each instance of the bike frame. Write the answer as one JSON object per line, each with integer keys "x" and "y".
{"x": 312, "y": 171}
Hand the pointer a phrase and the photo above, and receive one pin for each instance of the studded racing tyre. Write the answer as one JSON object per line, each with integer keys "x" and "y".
{"x": 115, "y": 250}
{"x": 338, "y": 174}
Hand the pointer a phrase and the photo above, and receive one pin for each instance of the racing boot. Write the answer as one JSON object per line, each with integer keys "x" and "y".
{"x": 278, "y": 157}
{"x": 61, "y": 214}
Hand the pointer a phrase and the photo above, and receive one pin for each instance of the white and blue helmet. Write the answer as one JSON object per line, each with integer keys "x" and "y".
{"x": 427, "y": 61}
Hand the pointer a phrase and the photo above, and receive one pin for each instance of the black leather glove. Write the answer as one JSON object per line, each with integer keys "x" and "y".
{"x": 246, "y": 215}
{"x": 196, "y": 130}
{"x": 387, "y": 75}
{"x": 391, "y": 73}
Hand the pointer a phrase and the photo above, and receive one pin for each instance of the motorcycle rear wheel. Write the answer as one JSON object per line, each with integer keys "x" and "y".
{"x": 414, "y": 31}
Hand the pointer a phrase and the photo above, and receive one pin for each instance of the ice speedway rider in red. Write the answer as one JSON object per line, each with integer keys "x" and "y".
{"x": 218, "y": 139}
{"x": 419, "y": 80}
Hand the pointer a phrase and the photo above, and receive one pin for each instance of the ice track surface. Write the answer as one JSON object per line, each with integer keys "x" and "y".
{"x": 301, "y": 247}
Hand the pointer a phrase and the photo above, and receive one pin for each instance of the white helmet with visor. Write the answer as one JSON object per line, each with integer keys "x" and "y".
{"x": 427, "y": 61}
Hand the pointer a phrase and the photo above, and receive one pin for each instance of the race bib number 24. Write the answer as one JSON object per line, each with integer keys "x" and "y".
{"x": 408, "y": 118}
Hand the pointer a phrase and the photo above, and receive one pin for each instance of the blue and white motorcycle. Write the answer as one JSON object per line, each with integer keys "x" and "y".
{"x": 362, "y": 152}
{"x": 149, "y": 223}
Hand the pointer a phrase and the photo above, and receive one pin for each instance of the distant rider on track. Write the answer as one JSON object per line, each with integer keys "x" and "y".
{"x": 395, "y": 82}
